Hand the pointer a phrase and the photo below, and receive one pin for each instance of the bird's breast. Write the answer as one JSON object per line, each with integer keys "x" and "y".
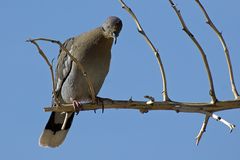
{"x": 96, "y": 62}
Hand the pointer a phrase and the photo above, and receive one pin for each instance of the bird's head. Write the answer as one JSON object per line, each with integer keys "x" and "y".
{"x": 112, "y": 27}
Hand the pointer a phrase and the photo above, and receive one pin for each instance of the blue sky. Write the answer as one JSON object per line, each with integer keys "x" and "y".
{"x": 119, "y": 134}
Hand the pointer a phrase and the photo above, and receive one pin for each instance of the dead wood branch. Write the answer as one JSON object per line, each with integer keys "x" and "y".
{"x": 205, "y": 122}
{"x": 79, "y": 65}
{"x": 50, "y": 67}
{"x": 225, "y": 48}
{"x": 157, "y": 105}
{"x": 204, "y": 108}
{"x": 185, "y": 28}
{"x": 155, "y": 51}
{"x": 203, "y": 129}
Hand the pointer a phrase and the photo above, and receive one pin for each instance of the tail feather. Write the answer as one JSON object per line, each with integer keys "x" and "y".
{"x": 55, "y": 131}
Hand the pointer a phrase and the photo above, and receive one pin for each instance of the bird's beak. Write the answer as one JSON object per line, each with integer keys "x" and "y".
{"x": 114, "y": 35}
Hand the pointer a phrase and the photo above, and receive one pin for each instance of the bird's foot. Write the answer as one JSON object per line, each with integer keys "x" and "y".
{"x": 77, "y": 106}
{"x": 100, "y": 100}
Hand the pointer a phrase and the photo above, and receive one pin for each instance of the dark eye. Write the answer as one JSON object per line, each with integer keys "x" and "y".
{"x": 118, "y": 23}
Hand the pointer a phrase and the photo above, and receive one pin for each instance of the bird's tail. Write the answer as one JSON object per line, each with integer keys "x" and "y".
{"x": 56, "y": 129}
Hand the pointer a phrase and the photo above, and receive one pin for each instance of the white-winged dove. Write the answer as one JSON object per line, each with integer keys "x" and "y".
{"x": 93, "y": 50}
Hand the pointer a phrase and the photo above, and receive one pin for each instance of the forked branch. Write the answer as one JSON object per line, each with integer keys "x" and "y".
{"x": 207, "y": 109}
{"x": 205, "y": 122}
{"x": 50, "y": 67}
{"x": 203, "y": 108}
{"x": 79, "y": 65}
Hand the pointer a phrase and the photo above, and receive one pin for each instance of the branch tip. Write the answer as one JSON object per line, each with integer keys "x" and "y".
{"x": 203, "y": 129}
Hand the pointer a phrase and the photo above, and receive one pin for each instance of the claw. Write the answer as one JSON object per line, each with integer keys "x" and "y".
{"x": 101, "y": 101}
{"x": 77, "y": 106}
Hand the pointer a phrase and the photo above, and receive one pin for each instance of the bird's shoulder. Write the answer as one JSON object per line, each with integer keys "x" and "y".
{"x": 89, "y": 38}
{"x": 74, "y": 45}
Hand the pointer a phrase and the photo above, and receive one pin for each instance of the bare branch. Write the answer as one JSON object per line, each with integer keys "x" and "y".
{"x": 207, "y": 109}
{"x": 212, "y": 91}
{"x": 229, "y": 125}
{"x": 225, "y": 48}
{"x": 155, "y": 51}
{"x": 79, "y": 65}
{"x": 50, "y": 67}
{"x": 157, "y": 105}
{"x": 203, "y": 108}
{"x": 203, "y": 129}
{"x": 205, "y": 122}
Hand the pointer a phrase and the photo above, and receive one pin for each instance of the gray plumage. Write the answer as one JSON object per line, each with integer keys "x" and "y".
{"x": 93, "y": 50}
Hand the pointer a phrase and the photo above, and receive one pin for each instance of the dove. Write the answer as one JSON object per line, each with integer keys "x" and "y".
{"x": 93, "y": 50}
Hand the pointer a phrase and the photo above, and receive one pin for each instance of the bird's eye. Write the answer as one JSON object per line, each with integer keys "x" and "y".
{"x": 118, "y": 23}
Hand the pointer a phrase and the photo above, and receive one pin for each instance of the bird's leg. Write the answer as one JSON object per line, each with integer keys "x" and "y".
{"x": 77, "y": 106}
{"x": 100, "y": 100}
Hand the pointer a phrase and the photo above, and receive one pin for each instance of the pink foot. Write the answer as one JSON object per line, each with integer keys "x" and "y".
{"x": 77, "y": 106}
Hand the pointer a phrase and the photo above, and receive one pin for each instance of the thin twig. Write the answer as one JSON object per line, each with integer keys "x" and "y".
{"x": 228, "y": 124}
{"x": 155, "y": 51}
{"x": 50, "y": 67}
{"x": 79, "y": 65}
{"x": 185, "y": 28}
{"x": 205, "y": 122}
{"x": 203, "y": 129}
{"x": 225, "y": 48}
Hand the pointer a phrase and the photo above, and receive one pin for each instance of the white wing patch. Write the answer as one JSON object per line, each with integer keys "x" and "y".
{"x": 66, "y": 67}
{"x": 59, "y": 82}
{"x": 71, "y": 49}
